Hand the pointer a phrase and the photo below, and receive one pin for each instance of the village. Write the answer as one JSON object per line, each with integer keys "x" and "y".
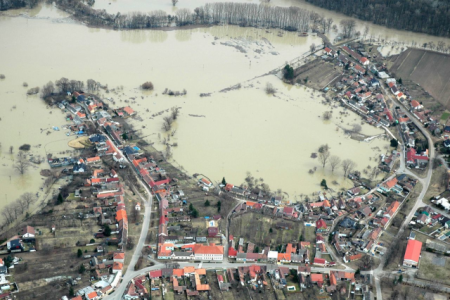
{"x": 146, "y": 229}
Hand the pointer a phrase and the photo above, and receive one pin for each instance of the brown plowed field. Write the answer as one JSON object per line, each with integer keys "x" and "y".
{"x": 429, "y": 69}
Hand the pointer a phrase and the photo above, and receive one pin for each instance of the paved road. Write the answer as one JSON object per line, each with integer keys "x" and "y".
{"x": 378, "y": 272}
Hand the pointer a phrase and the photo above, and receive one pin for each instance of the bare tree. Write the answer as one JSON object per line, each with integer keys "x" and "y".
{"x": 147, "y": 86}
{"x": 11, "y": 148}
{"x": 348, "y": 27}
{"x": 366, "y": 31}
{"x": 326, "y": 115}
{"x": 323, "y": 157}
{"x": 334, "y": 162}
{"x": 28, "y": 199}
{"x": 312, "y": 47}
{"x": 167, "y": 124}
{"x": 175, "y": 112}
{"x": 48, "y": 89}
{"x": 22, "y": 164}
{"x": 269, "y": 89}
{"x": 347, "y": 166}
{"x": 174, "y": 2}
{"x": 92, "y": 85}
{"x": 356, "y": 127}
{"x": 329, "y": 22}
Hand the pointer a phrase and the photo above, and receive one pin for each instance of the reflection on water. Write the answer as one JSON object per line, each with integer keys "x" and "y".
{"x": 183, "y": 35}
{"x": 134, "y": 36}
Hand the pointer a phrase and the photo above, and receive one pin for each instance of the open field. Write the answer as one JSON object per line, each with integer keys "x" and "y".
{"x": 435, "y": 187}
{"x": 256, "y": 228}
{"x": 317, "y": 74}
{"x": 429, "y": 69}
{"x": 41, "y": 265}
{"x": 434, "y": 267}
{"x": 403, "y": 291}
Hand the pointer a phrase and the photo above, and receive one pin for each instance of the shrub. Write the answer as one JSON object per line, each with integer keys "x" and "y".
{"x": 147, "y": 86}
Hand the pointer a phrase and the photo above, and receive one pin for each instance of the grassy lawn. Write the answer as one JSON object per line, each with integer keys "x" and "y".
{"x": 428, "y": 229}
{"x": 430, "y": 271}
{"x": 262, "y": 230}
{"x": 435, "y": 188}
{"x": 445, "y": 116}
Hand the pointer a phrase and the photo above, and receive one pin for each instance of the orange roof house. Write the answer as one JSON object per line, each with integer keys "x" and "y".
{"x": 119, "y": 256}
{"x": 198, "y": 284}
{"x": 81, "y": 115}
{"x": 92, "y": 159}
{"x": 207, "y": 249}
{"x": 200, "y": 271}
{"x": 129, "y": 110}
{"x": 391, "y": 183}
{"x": 188, "y": 270}
{"x": 390, "y": 211}
{"x": 91, "y": 295}
{"x": 284, "y": 256}
{"x": 412, "y": 253}
{"x": 317, "y": 278}
{"x": 333, "y": 280}
{"x": 178, "y": 272}
{"x": 120, "y": 215}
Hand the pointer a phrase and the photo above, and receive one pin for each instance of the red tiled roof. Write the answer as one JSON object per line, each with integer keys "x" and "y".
{"x": 316, "y": 277}
{"x": 319, "y": 261}
{"x": 413, "y": 250}
{"x": 205, "y": 249}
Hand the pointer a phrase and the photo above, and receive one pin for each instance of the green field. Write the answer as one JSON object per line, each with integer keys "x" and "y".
{"x": 445, "y": 116}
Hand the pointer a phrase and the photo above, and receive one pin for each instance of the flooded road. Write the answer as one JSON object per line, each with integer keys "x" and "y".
{"x": 242, "y": 130}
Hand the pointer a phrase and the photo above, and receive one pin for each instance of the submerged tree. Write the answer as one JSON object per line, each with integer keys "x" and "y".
{"x": 21, "y": 164}
{"x": 334, "y": 162}
{"x": 348, "y": 165}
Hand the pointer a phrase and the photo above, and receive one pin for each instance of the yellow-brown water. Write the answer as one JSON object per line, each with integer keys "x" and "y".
{"x": 243, "y": 130}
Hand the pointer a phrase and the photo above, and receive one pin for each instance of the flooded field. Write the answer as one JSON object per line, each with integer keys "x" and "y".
{"x": 242, "y": 130}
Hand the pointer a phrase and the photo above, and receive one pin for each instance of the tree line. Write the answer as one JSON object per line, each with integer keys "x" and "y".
{"x": 65, "y": 85}
{"x": 418, "y": 16}
{"x": 13, "y": 4}
{"x": 16, "y": 209}
{"x": 241, "y": 14}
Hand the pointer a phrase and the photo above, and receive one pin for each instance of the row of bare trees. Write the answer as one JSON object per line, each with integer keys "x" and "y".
{"x": 65, "y": 85}
{"x": 254, "y": 15}
{"x": 334, "y": 161}
{"x": 14, "y": 210}
{"x": 242, "y": 14}
{"x": 168, "y": 120}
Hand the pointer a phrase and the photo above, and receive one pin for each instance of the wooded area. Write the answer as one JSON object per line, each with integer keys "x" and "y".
{"x": 241, "y": 14}
{"x": 432, "y": 17}
{"x": 12, "y": 4}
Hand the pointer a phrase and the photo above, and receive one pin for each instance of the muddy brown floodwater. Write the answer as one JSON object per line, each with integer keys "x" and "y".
{"x": 243, "y": 130}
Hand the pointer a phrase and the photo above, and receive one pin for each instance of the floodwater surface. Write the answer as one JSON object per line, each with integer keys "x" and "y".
{"x": 239, "y": 131}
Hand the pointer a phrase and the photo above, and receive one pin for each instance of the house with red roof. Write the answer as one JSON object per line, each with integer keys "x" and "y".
{"x": 288, "y": 212}
{"x": 317, "y": 278}
{"x": 320, "y": 262}
{"x": 390, "y": 185}
{"x": 329, "y": 52}
{"x": 412, "y": 253}
{"x": 416, "y": 105}
{"x": 321, "y": 225}
{"x": 415, "y": 159}
{"x": 92, "y": 296}
{"x": 232, "y": 253}
{"x": 364, "y": 61}
{"x": 391, "y": 209}
{"x": 211, "y": 252}
{"x": 129, "y": 111}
